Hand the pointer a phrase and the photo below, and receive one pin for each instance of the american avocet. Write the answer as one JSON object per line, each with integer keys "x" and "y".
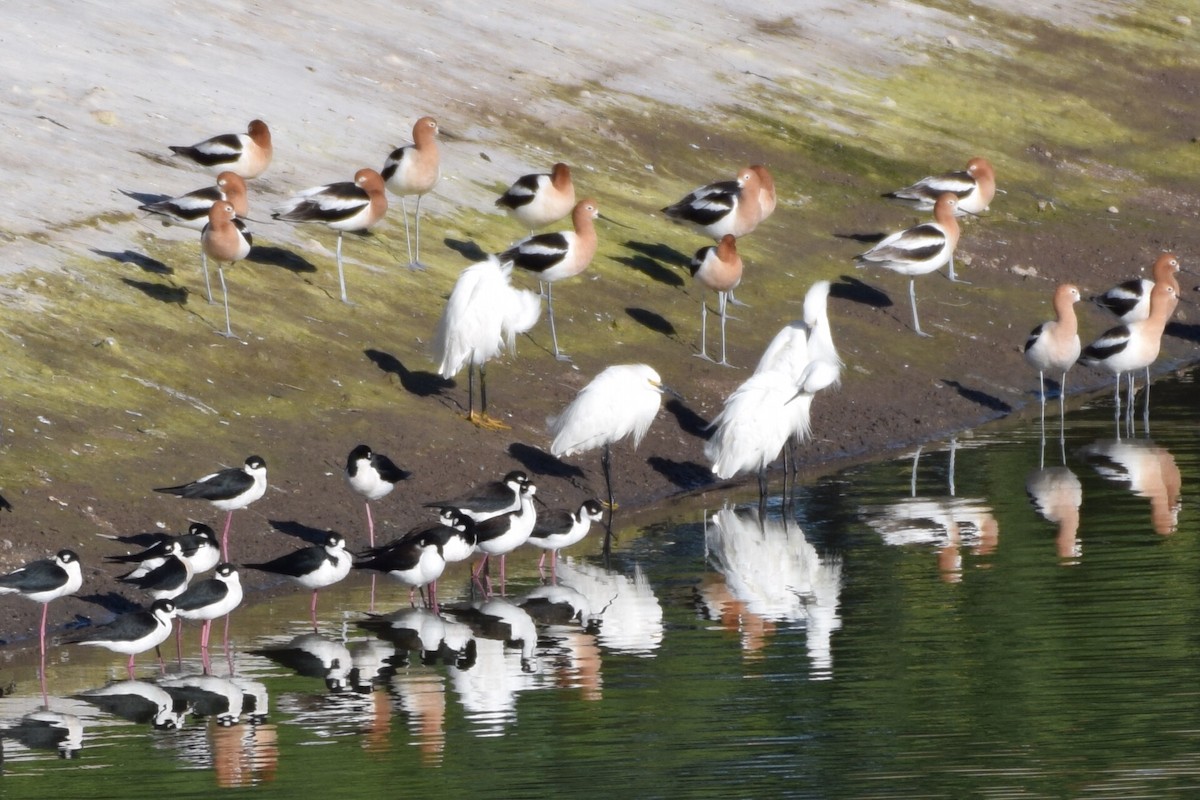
{"x": 191, "y": 210}
{"x": 974, "y": 187}
{"x": 560, "y": 528}
{"x": 540, "y": 199}
{"x": 373, "y": 475}
{"x": 209, "y": 599}
{"x": 1129, "y": 301}
{"x": 166, "y": 581}
{"x": 414, "y": 169}
{"x": 226, "y": 241}
{"x": 621, "y": 401}
{"x": 483, "y": 314}
{"x": 132, "y": 633}
{"x": 556, "y": 256}
{"x": 489, "y": 500}
{"x": 766, "y": 192}
{"x": 312, "y": 567}
{"x": 356, "y": 207}
{"x": 500, "y": 535}
{"x": 718, "y": 268}
{"x": 918, "y": 250}
{"x": 1133, "y": 346}
{"x": 1055, "y": 344}
{"x": 732, "y": 207}
{"x": 247, "y": 154}
{"x": 227, "y": 490}
{"x": 44, "y": 580}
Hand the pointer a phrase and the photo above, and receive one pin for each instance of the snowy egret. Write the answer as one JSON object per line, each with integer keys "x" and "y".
{"x": 484, "y": 313}
{"x": 540, "y": 199}
{"x": 918, "y": 250}
{"x": 373, "y": 475}
{"x": 225, "y": 240}
{"x": 248, "y": 154}
{"x": 621, "y": 401}
{"x": 1135, "y": 346}
{"x": 356, "y": 206}
{"x": 414, "y": 169}
{"x": 974, "y": 187}
{"x": 719, "y": 268}
{"x": 559, "y": 255}
{"x": 1055, "y": 344}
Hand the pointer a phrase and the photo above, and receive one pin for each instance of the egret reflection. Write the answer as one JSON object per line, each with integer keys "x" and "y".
{"x": 628, "y": 613}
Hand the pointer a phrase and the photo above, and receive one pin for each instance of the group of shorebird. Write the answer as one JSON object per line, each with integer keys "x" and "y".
{"x": 484, "y": 312}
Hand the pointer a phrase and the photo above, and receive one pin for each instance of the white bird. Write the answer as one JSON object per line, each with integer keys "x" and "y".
{"x": 483, "y": 314}
{"x": 919, "y": 250}
{"x": 621, "y": 401}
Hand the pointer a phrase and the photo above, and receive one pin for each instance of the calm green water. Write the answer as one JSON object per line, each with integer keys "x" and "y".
{"x": 985, "y": 618}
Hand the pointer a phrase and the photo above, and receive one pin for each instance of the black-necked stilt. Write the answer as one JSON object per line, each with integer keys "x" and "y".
{"x": 168, "y": 579}
{"x": 199, "y": 546}
{"x": 560, "y": 528}
{"x": 373, "y": 475}
{"x": 414, "y": 559}
{"x": 132, "y": 633}
{"x": 227, "y": 490}
{"x": 499, "y": 536}
{"x": 414, "y": 169}
{"x": 209, "y": 599}
{"x": 248, "y": 154}
{"x": 356, "y": 206}
{"x": 489, "y": 500}
{"x": 621, "y": 401}
{"x": 44, "y": 580}
{"x": 312, "y": 567}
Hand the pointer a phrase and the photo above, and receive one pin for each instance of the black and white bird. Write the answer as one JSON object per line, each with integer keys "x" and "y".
{"x": 139, "y": 702}
{"x": 166, "y": 581}
{"x": 44, "y": 580}
{"x": 374, "y": 476}
{"x": 415, "y": 559}
{"x": 210, "y": 599}
{"x": 500, "y": 535}
{"x": 227, "y": 490}
{"x": 560, "y": 528}
{"x": 312, "y": 567}
{"x": 490, "y": 500}
{"x": 199, "y": 547}
{"x": 132, "y": 633}
{"x": 248, "y": 154}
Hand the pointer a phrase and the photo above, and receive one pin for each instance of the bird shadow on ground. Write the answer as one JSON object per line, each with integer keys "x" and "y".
{"x": 468, "y": 250}
{"x": 173, "y": 295}
{"x": 651, "y": 269}
{"x": 1185, "y": 331}
{"x": 850, "y": 288}
{"x": 140, "y": 260}
{"x": 689, "y": 421}
{"x": 863, "y": 238}
{"x": 661, "y": 253}
{"x": 279, "y": 257}
{"x": 539, "y": 462}
{"x": 145, "y": 198}
{"x": 980, "y": 398}
{"x": 654, "y": 321}
{"x": 4, "y": 504}
{"x": 299, "y": 530}
{"x": 422, "y": 384}
{"x": 111, "y": 602}
{"x": 684, "y": 474}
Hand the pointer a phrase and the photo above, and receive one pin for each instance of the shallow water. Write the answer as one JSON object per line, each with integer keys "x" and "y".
{"x": 992, "y": 615}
